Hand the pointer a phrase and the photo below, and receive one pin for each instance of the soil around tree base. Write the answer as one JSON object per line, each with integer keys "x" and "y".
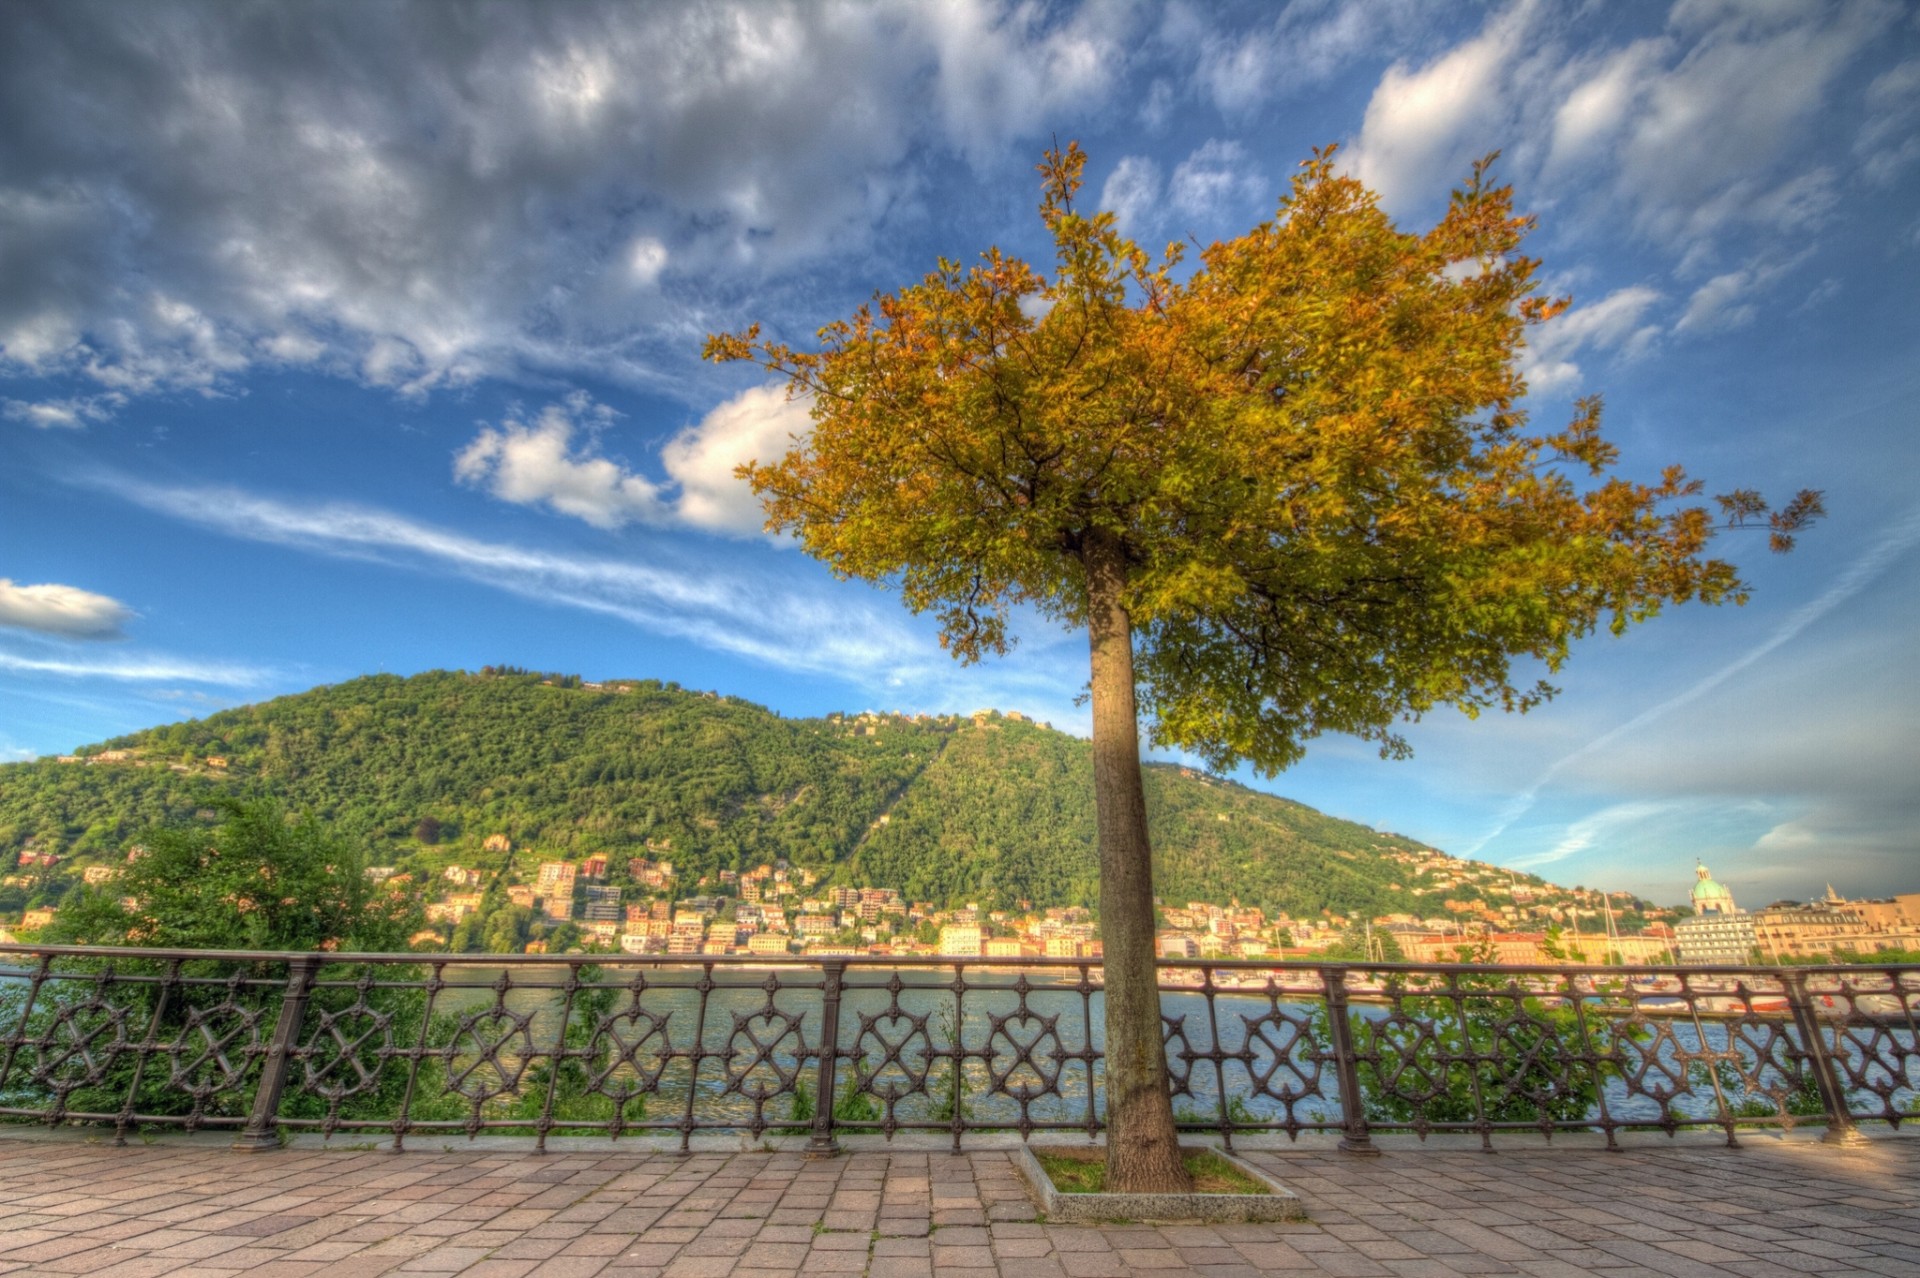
{"x": 1274, "y": 1202}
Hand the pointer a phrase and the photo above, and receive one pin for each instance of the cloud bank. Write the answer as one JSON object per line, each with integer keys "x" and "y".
{"x": 1697, "y": 140}
{"x": 416, "y": 196}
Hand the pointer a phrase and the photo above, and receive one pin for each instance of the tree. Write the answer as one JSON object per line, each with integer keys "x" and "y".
{"x": 1290, "y": 492}
{"x": 256, "y": 881}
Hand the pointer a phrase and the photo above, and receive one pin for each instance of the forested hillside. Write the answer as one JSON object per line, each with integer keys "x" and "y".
{"x": 991, "y": 809}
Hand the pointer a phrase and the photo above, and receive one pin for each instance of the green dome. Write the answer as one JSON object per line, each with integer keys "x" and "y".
{"x": 1710, "y": 897}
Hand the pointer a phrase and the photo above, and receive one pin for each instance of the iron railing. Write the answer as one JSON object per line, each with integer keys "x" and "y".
{"x": 412, "y": 1045}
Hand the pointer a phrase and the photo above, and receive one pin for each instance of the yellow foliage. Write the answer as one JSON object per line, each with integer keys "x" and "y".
{"x": 1312, "y": 450}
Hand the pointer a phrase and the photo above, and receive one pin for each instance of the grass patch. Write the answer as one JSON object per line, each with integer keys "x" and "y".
{"x": 1084, "y": 1171}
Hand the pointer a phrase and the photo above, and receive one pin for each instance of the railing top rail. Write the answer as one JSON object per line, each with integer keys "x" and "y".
{"x": 808, "y": 962}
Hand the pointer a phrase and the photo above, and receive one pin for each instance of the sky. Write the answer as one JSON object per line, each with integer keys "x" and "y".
{"x": 343, "y": 338}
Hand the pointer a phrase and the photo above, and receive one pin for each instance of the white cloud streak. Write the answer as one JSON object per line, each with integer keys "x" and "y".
{"x": 61, "y": 610}
{"x": 1582, "y": 835}
{"x": 1900, "y": 538}
{"x": 152, "y": 668}
{"x": 746, "y": 617}
{"x": 1132, "y": 194}
{"x": 71, "y": 413}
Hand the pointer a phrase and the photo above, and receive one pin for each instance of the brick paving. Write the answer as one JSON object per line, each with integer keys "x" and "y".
{"x": 1771, "y": 1209}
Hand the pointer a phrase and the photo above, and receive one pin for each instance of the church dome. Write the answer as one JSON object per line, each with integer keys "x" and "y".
{"x": 1710, "y": 897}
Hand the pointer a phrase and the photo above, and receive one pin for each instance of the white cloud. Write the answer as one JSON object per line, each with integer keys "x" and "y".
{"x": 1003, "y": 67}
{"x": 1423, "y": 125}
{"x": 1617, "y": 322}
{"x": 761, "y": 425}
{"x": 1691, "y": 131}
{"x": 1597, "y": 108}
{"x": 1157, "y": 109}
{"x": 1698, "y": 138}
{"x": 538, "y": 462}
{"x": 1890, "y": 139}
{"x": 533, "y": 462}
{"x": 1308, "y": 43}
{"x": 1214, "y": 181}
{"x": 1729, "y": 300}
{"x": 646, "y": 258}
{"x": 1695, "y": 131}
{"x": 61, "y": 610}
{"x": 70, "y": 414}
{"x": 1716, "y": 305}
{"x": 1132, "y": 194}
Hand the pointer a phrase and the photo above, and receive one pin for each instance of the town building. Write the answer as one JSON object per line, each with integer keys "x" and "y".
{"x": 962, "y": 940}
{"x": 1833, "y": 925}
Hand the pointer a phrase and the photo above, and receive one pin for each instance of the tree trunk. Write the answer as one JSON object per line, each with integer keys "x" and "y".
{"x": 1143, "y": 1150}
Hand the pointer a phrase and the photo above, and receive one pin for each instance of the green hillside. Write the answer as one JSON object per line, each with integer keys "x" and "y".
{"x": 424, "y": 769}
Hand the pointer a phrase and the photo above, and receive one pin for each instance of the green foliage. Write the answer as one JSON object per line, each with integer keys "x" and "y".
{"x": 998, "y": 813}
{"x": 258, "y": 881}
{"x": 1797, "y": 1097}
{"x": 854, "y": 1105}
{"x": 1494, "y": 1052}
{"x": 1239, "y": 1114}
{"x": 574, "y": 1099}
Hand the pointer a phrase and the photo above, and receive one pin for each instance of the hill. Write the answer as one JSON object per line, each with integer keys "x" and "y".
{"x": 991, "y": 809}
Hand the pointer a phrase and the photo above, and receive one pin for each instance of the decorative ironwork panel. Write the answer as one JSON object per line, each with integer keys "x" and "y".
{"x": 545, "y": 1045}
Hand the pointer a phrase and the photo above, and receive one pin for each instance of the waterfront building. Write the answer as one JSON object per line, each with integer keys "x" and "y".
{"x": 1719, "y": 932}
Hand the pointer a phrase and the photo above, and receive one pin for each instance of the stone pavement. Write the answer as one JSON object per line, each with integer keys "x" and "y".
{"x": 1771, "y": 1208}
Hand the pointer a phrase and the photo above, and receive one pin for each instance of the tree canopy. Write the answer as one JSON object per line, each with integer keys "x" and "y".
{"x": 1310, "y": 450}
{"x": 257, "y": 881}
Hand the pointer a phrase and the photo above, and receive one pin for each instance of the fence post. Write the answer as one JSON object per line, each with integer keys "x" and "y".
{"x": 1353, "y": 1109}
{"x": 823, "y": 1145}
{"x": 1826, "y": 1080}
{"x": 263, "y": 1125}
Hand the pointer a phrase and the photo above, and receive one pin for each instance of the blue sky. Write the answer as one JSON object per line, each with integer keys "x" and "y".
{"x": 337, "y": 339}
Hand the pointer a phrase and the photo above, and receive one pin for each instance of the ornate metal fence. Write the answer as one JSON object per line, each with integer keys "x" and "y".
{"x": 361, "y": 1046}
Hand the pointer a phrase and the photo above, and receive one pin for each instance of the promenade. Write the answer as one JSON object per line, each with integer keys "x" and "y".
{"x": 1687, "y": 1209}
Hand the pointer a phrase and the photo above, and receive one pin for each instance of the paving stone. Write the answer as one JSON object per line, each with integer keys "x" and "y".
{"x": 1771, "y": 1209}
